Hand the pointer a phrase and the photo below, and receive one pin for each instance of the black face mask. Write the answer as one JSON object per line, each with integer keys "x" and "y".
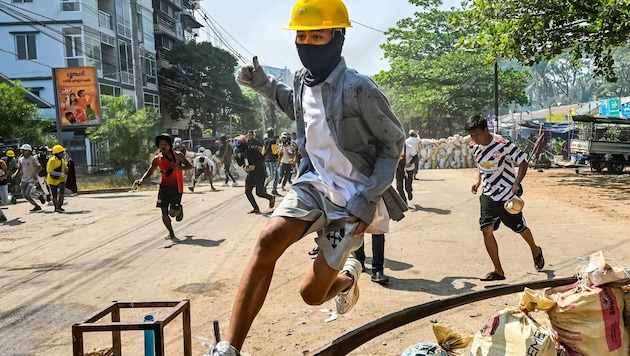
{"x": 320, "y": 60}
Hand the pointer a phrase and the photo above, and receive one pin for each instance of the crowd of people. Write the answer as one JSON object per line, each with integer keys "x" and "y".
{"x": 39, "y": 176}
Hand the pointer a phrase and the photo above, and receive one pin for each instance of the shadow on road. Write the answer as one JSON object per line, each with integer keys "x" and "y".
{"x": 438, "y": 211}
{"x": 190, "y": 240}
{"x": 443, "y": 287}
{"x": 14, "y": 222}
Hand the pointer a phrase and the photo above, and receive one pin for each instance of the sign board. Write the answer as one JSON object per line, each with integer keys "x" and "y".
{"x": 625, "y": 110}
{"x": 613, "y": 107}
{"x": 76, "y": 96}
{"x": 556, "y": 118}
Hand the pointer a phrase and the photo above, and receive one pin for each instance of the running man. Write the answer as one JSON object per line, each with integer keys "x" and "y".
{"x": 171, "y": 164}
{"x": 350, "y": 141}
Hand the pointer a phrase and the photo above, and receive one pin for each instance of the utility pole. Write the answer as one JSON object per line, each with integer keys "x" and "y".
{"x": 135, "y": 49}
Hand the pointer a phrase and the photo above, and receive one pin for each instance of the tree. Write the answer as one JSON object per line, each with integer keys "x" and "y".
{"x": 435, "y": 83}
{"x": 124, "y": 131}
{"x": 19, "y": 119}
{"x": 532, "y": 30}
{"x": 199, "y": 86}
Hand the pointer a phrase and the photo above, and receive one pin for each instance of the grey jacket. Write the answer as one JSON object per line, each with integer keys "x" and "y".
{"x": 364, "y": 128}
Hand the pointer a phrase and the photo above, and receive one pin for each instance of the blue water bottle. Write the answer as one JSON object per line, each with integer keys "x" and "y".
{"x": 149, "y": 341}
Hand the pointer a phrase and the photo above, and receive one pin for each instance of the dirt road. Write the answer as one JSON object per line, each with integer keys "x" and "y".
{"x": 57, "y": 269}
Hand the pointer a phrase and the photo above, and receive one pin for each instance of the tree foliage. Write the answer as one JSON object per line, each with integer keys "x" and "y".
{"x": 199, "y": 87}
{"x": 533, "y": 30}
{"x": 434, "y": 84}
{"x": 124, "y": 132}
{"x": 19, "y": 119}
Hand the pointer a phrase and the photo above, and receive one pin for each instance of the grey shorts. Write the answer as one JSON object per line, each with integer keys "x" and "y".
{"x": 334, "y": 235}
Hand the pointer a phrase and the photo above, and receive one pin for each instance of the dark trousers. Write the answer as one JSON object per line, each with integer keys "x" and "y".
{"x": 378, "y": 253}
{"x": 404, "y": 179}
{"x": 285, "y": 173}
{"x": 58, "y": 193}
{"x": 228, "y": 174}
{"x": 256, "y": 179}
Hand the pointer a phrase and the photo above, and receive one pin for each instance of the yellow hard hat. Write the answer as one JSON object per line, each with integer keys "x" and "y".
{"x": 10, "y": 153}
{"x": 58, "y": 149}
{"x": 311, "y": 15}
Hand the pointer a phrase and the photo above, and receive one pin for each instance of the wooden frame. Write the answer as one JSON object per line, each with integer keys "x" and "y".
{"x": 116, "y": 326}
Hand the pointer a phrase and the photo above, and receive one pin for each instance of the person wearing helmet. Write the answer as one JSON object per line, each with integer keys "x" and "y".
{"x": 287, "y": 150}
{"x": 350, "y": 141}
{"x": 57, "y": 168}
{"x": 270, "y": 151}
{"x": 12, "y": 164}
{"x": 42, "y": 157}
{"x": 171, "y": 164}
{"x": 29, "y": 166}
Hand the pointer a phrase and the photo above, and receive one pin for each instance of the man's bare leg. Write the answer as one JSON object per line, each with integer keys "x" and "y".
{"x": 167, "y": 222}
{"x": 492, "y": 248}
{"x": 322, "y": 283}
{"x": 274, "y": 239}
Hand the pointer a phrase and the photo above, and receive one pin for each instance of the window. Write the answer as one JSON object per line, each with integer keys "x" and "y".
{"x": 153, "y": 100}
{"x": 126, "y": 62}
{"x": 70, "y": 5}
{"x": 123, "y": 19}
{"x": 73, "y": 47}
{"x": 150, "y": 70}
{"x": 110, "y": 90}
{"x": 21, "y": 1}
{"x": 25, "y": 45}
{"x": 105, "y": 20}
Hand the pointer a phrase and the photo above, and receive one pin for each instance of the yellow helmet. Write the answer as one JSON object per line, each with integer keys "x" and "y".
{"x": 311, "y": 15}
{"x": 58, "y": 149}
{"x": 10, "y": 153}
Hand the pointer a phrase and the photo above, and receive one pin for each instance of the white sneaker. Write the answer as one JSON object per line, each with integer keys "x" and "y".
{"x": 235, "y": 184}
{"x": 345, "y": 301}
{"x": 223, "y": 348}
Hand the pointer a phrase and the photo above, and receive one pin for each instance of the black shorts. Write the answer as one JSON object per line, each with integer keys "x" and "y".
{"x": 199, "y": 172}
{"x": 493, "y": 212}
{"x": 168, "y": 198}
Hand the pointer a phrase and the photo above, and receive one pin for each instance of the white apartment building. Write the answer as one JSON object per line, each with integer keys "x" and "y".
{"x": 39, "y": 35}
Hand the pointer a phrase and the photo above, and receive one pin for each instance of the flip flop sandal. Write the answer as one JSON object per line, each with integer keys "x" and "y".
{"x": 539, "y": 262}
{"x": 492, "y": 276}
{"x": 314, "y": 251}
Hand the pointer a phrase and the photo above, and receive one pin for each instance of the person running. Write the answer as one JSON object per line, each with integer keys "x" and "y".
{"x": 496, "y": 158}
{"x": 29, "y": 166}
{"x": 42, "y": 156}
{"x": 57, "y": 168}
{"x": 270, "y": 151}
{"x": 226, "y": 152}
{"x": 12, "y": 164}
{"x": 171, "y": 164}
{"x": 252, "y": 162}
{"x": 414, "y": 141}
{"x": 286, "y": 159}
{"x": 346, "y": 173}
{"x": 203, "y": 166}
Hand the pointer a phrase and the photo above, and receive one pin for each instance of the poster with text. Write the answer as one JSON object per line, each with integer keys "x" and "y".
{"x": 77, "y": 96}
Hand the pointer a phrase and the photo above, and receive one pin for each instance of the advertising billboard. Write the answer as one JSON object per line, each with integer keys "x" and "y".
{"x": 76, "y": 95}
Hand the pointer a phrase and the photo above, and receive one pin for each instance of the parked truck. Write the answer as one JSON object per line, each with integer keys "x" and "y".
{"x": 603, "y": 142}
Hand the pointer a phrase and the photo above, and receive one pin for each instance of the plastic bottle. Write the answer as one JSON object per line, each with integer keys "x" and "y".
{"x": 90, "y": 113}
{"x": 149, "y": 338}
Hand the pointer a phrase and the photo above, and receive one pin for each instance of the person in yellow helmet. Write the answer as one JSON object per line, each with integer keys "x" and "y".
{"x": 57, "y": 168}
{"x": 350, "y": 141}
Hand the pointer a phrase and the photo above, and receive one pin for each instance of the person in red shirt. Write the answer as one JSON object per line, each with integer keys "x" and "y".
{"x": 172, "y": 164}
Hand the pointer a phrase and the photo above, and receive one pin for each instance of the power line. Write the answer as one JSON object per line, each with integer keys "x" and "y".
{"x": 366, "y": 26}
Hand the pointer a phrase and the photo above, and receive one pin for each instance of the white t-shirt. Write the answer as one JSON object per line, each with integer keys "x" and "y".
{"x": 334, "y": 175}
{"x": 414, "y": 141}
{"x": 29, "y": 167}
{"x": 201, "y": 162}
{"x": 411, "y": 151}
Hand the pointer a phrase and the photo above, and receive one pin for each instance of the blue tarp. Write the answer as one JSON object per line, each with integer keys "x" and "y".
{"x": 555, "y": 127}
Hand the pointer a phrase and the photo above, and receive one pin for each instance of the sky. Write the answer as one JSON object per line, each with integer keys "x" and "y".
{"x": 255, "y": 28}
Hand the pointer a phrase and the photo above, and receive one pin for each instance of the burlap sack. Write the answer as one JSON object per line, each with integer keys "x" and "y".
{"x": 589, "y": 319}
{"x": 513, "y": 333}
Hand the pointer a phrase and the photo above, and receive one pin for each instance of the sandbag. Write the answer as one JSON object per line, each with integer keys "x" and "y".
{"x": 588, "y": 319}
{"x": 450, "y": 341}
{"x": 512, "y": 332}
